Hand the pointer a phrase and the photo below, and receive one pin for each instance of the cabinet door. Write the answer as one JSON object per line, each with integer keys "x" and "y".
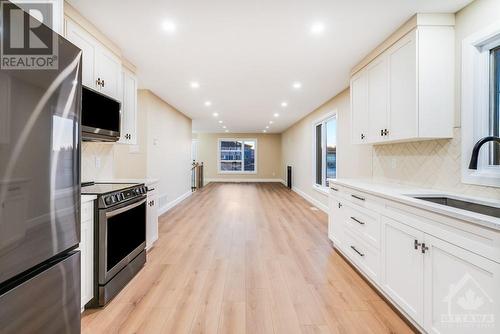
{"x": 359, "y": 108}
{"x": 403, "y": 117}
{"x": 78, "y": 36}
{"x": 403, "y": 265}
{"x": 109, "y": 69}
{"x": 377, "y": 99}
{"x": 335, "y": 222}
{"x": 152, "y": 220}
{"x": 462, "y": 291}
{"x": 129, "y": 109}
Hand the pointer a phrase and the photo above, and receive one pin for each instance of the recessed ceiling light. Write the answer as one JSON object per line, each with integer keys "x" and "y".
{"x": 264, "y": 131}
{"x": 297, "y": 85}
{"x": 208, "y": 103}
{"x": 267, "y": 127}
{"x": 276, "y": 115}
{"x": 284, "y": 104}
{"x": 220, "y": 122}
{"x": 195, "y": 84}
{"x": 224, "y": 127}
{"x": 169, "y": 26}
{"x": 226, "y": 131}
{"x": 215, "y": 114}
{"x": 317, "y": 28}
{"x": 271, "y": 122}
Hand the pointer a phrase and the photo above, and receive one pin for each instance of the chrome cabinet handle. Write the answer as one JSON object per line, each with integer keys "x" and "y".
{"x": 362, "y": 136}
{"x": 340, "y": 205}
{"x": 381, "y": 133}
{"x": 357, "y": 251}
{"x": 424, "y": 248}
{"x": 358, "y": 197}
{"x": 102, "y": 83}
{"x": 416, "y": 244}
{"x": 98, "y": 82}
{"x": 358, "y": 221}
{"x": 386, "y": 132}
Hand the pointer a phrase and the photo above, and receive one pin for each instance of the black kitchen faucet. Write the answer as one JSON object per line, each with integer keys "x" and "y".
{"x": 477, "y": 148}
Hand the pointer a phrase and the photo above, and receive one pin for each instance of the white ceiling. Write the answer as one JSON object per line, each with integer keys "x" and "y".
{"x": 247, "y": 53}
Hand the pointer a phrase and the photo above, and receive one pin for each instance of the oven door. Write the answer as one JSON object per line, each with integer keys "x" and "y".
{"x": 122, "y": 236}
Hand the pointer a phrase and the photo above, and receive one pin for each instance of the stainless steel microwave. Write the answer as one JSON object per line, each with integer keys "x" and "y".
{"x": 100, "y": 117}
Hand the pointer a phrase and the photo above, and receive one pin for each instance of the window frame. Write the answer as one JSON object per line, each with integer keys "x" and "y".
{"x": 476, "y": 104}
{"x": 242, "y": 171}
{"x": 322, "y": 188}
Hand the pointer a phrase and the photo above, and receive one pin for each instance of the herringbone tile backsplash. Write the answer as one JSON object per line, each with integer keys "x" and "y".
{"x": 430, "y": 164}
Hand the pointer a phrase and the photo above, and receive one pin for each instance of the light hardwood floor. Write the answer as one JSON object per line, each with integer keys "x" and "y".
{"x": 245, "y": 258}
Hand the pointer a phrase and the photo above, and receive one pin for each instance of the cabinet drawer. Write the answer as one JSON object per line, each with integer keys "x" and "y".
{"x": 363, "y": 255}
{"x": 87, "y": 211}
{"x": 364, "y": 223}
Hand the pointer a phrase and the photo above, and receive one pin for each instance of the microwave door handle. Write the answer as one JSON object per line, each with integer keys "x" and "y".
{"x": 125, "y": 208}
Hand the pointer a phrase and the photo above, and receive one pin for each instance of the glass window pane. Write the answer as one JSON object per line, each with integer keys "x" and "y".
{"x": 319, "y": 155}
{"x": 495, "y": 106}
{"x": 249, "y": 156}
{"x": 230, "y": 150}
{"x": 331, "y": 149}
{"x": 230, "y": 166}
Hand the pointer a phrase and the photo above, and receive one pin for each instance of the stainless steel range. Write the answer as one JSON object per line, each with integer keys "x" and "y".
{"x": 120, "y": 236}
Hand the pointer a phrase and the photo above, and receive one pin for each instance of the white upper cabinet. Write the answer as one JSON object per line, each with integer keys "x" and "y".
{"x": 129, "y": 108}
{"x": 359, "y": 105}
{"x": 108, "y": 72}
{"x": 88, "y": 45}
{"x": 377, "y": 99}
{"x": 101, "y": 69}
{"x": 409, "y": 89}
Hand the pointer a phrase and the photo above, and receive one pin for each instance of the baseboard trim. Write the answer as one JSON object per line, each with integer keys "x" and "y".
{"x": 311, "y": 200}
{"x": 236, "y": 180}
{"x": 173, "y": 203}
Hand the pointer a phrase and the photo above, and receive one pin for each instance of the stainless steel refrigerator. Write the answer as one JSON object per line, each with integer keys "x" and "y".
{"x": 40, "y": 196}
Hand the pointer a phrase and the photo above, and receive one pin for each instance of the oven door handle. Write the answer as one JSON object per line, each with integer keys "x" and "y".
{"x": 125, "y": 208}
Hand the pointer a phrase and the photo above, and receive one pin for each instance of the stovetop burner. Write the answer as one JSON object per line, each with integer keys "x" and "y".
{"x": 92, "y": 188}
{"x": 111, "y": 194}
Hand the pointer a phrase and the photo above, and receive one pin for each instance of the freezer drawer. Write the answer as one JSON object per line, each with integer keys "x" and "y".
{"x": 48, "y": 302}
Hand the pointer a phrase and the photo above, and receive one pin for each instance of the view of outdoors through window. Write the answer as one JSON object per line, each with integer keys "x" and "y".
{"x": 331, "y": 149}
{"x": 237, "y": 155}
{"x": 325, "y": 151}
{"x": 495, "y": 105}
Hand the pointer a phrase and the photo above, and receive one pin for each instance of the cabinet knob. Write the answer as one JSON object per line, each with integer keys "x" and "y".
{"x": 416, "y": 244}
{"x": 381, "y": 133}
{"x": 98, "y": 82}
{"x": 103, "y": 83}
{"x": 424, "y": 248}
{"x": 362, "y": 136}
{"x": 386, "y": 132}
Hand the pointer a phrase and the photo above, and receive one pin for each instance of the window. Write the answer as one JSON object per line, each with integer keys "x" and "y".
{"x": 238, "y": 156}
{"x": 494, "y": 119}
{"x": 480, "y": 104}
{"x": 325, "y": 150}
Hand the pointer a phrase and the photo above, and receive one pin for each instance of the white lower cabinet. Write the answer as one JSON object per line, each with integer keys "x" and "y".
{"x": 403, "y": 265}
{"x": 151, "y": 217}
{"x": 462, "y": 290}
{"x": 87, "y": 253}
{"x": 443, "y": 284}
{"x": 335, "y": 221}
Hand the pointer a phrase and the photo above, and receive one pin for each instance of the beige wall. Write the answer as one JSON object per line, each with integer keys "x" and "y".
{"x": 168, "y": 144}
{"x": 352, "y": 160}
{"x": 268, "y": 156}
{"x": 436, "y": 164}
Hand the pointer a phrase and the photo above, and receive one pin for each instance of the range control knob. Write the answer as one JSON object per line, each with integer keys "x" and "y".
{"x": 108, "y": 200}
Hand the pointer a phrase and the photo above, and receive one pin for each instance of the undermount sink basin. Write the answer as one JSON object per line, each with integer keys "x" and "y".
{"x": 462, "y": 204}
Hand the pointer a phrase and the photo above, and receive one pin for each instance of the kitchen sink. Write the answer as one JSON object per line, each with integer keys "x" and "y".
{"x": 463, "y": 205}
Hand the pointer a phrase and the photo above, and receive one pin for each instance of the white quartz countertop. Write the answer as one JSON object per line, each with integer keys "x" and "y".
{"x": 145, "y": 181}
{"x": 88, "y": 198}
{"x": 404, "y": 194}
